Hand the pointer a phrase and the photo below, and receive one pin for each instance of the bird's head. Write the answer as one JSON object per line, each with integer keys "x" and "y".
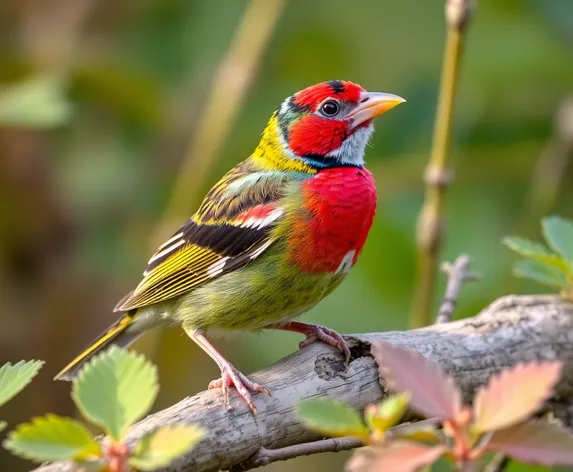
{"x": 329, "y": 124}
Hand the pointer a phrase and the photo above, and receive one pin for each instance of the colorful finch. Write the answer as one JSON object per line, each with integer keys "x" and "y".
{"x": 272, "y": 238}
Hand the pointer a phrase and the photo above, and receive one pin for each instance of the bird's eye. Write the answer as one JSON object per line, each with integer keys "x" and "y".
{"x": 330, "y": 108}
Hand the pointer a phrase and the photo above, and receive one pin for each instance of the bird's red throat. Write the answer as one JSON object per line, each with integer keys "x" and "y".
{"x": 330, "y": 232}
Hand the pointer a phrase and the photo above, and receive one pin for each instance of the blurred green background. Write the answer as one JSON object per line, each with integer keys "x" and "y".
{"x": 101, "y": 103}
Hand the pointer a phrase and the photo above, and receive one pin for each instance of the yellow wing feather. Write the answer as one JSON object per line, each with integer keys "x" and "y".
{"x": 232, "y": 227}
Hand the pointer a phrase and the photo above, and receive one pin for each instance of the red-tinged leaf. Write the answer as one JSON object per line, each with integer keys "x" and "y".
{"x": 434, "y": 393}
{"x": 535, "y": 442}
{"x": 514, "y": 395}
{"x": 396, "y": 456}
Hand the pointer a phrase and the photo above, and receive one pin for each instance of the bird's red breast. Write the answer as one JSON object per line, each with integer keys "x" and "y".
{"x": 329, "y": 232}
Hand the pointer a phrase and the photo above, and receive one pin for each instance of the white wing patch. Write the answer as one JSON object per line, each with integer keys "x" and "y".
{"x": 258, "y": 252}
{"x": 228, "y": 262}
{"x": 259, "y": 223}
{"x": 217, "y": 267}
{"x": 346, "y": 262}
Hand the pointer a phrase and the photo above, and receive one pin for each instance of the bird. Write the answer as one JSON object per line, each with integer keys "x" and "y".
{"x": 276, "y": 235}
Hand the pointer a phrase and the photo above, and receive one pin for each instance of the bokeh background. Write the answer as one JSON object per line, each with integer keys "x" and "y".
{"x": 116, "y": 117}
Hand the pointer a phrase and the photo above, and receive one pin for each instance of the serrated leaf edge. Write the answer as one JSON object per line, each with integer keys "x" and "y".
{"x": 33, "y": 365}
{"x": 10, "y": 444}
{"x": 94, "y": 363}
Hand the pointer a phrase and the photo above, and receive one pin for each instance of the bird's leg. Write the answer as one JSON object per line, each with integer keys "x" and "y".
{"x": 230, "y": 376}
{"x": 314, "y": 333}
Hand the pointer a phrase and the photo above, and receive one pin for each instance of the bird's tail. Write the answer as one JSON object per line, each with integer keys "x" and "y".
{"x": 116, "y": 334}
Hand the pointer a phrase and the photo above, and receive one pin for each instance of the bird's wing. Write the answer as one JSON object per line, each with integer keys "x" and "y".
{"x": 232, "y": 227}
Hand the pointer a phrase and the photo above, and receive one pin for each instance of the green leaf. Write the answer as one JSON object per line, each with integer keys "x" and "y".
{"x": 387, "y": 413}
{"x": 52, "y": 438}
{"x": 559, "y": 235}
{"x": 332, "y": 418}
{"x": 36, "y": 102}
{"x": 13, "y": 378}
{"x": 547, "y": 275}
{"x": 526, "y": 248}
{"x": 419, "y": 432}
{"x": 535, "y": 442}
{"x": 116, "y": 389}
{"x": 536, "y": 251}
{"x": 3, "y": 425}
{"x": 160, "y": 447}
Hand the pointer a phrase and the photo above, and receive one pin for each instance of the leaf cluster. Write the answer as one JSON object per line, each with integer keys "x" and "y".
{"x": 498, "y": 421}
{"x": 552, "y": 263}
{"x": 112, "y": 391}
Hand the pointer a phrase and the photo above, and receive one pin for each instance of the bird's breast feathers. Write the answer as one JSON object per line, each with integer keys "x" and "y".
{"x": 322, "y": 221}
{"x": 328, "y": 232}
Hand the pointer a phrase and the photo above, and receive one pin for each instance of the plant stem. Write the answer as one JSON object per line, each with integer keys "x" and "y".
{"x": 230, "y": 85}
{"x": 498, "y": 463}
{"x": 234, "y": 74}
{"x": 437, "y": 174}
{"x": 266, "y": 456}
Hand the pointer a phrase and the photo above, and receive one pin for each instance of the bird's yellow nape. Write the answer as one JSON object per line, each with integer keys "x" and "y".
{"x": 273, "y": 154}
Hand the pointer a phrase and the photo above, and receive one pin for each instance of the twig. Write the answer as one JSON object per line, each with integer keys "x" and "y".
{"x": 438, "y": 175}
{"x": 458, "y": 273}
{"x": 498, "y": 463}
{"x": 511, "y": 330}
{"x": 265, "y": 456}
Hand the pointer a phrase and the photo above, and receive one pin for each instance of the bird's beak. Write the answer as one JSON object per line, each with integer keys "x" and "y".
{"x": 371, "y": 105}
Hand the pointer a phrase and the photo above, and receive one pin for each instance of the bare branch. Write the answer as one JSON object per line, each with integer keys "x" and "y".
{"x": 511, "y": 330}
{"x": 458, "y": 273}
{"x": 265, "y": 456}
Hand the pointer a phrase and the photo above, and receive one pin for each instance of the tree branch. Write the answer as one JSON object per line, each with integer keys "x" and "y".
{"x": 511, "y": 330}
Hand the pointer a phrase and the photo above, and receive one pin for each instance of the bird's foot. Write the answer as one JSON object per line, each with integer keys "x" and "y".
{"x": 315, "y": 333}
{"x": 231, "y": 377}
{"x": 328, "y": 336}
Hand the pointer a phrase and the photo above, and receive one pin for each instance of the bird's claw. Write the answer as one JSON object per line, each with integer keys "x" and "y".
{"x": 328, "y": 336}
{"x": 231, "y": 377}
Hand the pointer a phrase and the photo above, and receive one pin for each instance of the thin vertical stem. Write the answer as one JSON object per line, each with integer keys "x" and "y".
{"x": 230, "y": 85}
{"x": 550, "y": 173}
{"x": 438, "y": 174}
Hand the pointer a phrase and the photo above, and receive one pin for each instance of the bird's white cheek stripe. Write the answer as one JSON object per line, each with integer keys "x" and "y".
{"x": 346, "y": 262}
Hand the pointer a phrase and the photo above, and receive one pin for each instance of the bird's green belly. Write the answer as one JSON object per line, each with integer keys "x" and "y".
{"x": 266, "y": 291}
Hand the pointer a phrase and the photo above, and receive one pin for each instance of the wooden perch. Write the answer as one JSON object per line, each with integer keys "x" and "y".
{"x": 510, "y": 330}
